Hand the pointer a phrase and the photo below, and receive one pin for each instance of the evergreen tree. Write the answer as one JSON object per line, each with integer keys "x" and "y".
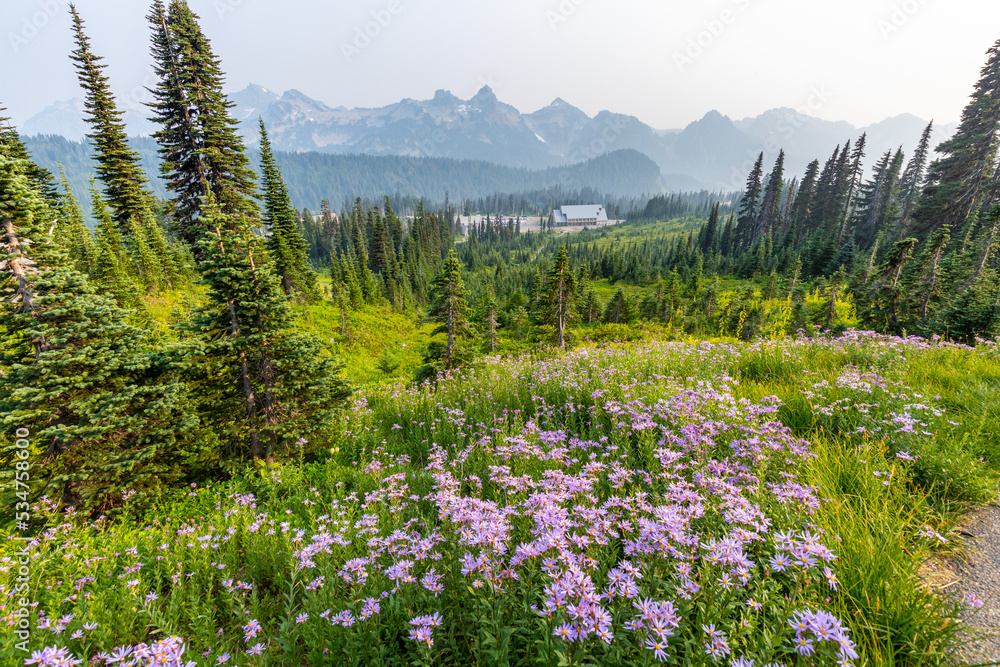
{"x": 112, "y": 268}
{"x": 491, "y": 312}
{"x": 885, "y": 293}
{"x": 558, "y": 301}
{"x": 728, "y": 237}
{"x": 12, "y": 146}
{"x": 852, "y": 178}
{"x": 118, "y": 167}
{"x": 200, "y": 146}
{"x": 285, "y": 244}
{"x": 620, "y": 310}
{"x": 770, "y": 209}
{"x": 104, "y": 414}
{"x": 591, "y": 307}
{"x": 803, "y": 203}
{"x": 975, "y": 313}
{"x": 355, "y": 295}
{"x": 827, "y": 206}
{"x": 923, "y": 286}
{"x": 248, "y": 358}
{"x": 796, "y": 273}
{"x": 913, "y": 178}
{"x": 519, "y": 320}
{"x": 175, "y": 260}
{"x": 450, "y": 311}
{"x": 827, "y": 314}
{"x": 75, "y": 236}
{"x": 961, "y": 181}
{"x": 987, "y": 244}
{"x": 872, "y": 199}
{"x": 711, "y": 229}
{"x": 749, "y": 206}
{"x": 772, "y": 286}
{"x": 147, "y": 263}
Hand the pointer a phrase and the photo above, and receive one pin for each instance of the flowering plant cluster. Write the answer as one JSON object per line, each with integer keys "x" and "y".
{"x": 621, "y": 505}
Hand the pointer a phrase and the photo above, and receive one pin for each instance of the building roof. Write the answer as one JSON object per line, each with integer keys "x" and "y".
{"x": 582, "y": 212}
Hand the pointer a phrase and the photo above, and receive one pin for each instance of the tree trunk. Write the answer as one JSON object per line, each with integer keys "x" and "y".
{"x": 560, "y": 317}
{"x": 930, "y": 289}
{"x": 248, "y": 393}
{"x": 986, "y": 252}
{"x": 19, "y": 265}
{"x": 270, "y": 407}
{"x": 451, "y": 333}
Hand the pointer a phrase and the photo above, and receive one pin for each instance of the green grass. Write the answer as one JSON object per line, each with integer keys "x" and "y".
{"x": 896, "y": 619}
{"x": 371, "y": 332}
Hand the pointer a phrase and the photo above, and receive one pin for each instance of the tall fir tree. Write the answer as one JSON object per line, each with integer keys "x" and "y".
{"x": 558, "y": 304}
{"x": 886, "y": 296}
{"x": 450, "y": 311}
{"x": 75, "y": 236}
{"x": 118, "y": 167}
{"x": 711, "y": 229}
{"x": 490, "y": 317}
{"x": 749, "y": 206}
{"x": 248, "y": 359}
{"x": 803, "y": 203}
{"x": 112, "y": 267}
{"x": 923, "y": 284}
{"x": 102, "y": 412}
{"x": 961, "y": 181}
{"x": 620, "y": 309}
{"x": 200, "y": 146}
{"x": 285, "y": 244}
{"x": 913, "y": 179}
{"x": 768, "y": 218}
{"x": 853, "y": 175}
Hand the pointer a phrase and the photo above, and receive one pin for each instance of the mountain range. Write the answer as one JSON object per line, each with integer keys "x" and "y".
{"x": 713, "y": 152}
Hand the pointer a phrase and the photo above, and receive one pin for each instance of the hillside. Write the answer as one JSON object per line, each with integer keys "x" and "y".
{"x": 313, "y": 176}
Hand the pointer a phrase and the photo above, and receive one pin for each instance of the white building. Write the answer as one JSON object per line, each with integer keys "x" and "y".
{"x": 580, "y": 215}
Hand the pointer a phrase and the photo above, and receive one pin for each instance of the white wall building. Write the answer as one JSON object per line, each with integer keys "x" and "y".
{"x": 581, "y": 215}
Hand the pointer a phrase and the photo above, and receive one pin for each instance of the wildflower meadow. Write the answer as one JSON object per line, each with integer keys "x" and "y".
{"x": 678, "y": 503}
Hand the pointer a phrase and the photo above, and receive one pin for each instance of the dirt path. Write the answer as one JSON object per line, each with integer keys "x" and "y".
{"x": 980, "y": 576}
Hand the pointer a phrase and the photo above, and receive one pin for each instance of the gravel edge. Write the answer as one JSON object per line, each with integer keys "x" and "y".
{"x": 979, "y": 575}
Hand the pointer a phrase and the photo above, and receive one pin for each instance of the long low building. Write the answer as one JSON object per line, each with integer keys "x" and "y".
{"x": 581, "y": 214}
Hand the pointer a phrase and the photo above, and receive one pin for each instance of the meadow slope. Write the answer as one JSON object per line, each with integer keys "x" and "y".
{"x": 688, "y": 503}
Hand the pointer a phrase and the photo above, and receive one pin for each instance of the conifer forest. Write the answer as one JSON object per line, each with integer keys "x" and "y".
{"x": 258, "y": 408}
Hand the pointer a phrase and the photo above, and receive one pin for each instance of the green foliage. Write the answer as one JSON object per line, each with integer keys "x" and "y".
{"x": 118, "y": 167}
{"x": 285, "y": 244}
{"x": 620, "y": 310}
{"x": 386, "y": 364}
{"x": 557, "y": 307}
{"x": 961, "y": 183}
{"x": 104, "y": 412}
{"x": 449, "y": 309}
{"x": 262, "y": 383}
{"x": 200, "y": 148}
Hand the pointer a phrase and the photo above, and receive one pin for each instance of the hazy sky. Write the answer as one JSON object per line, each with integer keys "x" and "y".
{"x": 665, "y": 61}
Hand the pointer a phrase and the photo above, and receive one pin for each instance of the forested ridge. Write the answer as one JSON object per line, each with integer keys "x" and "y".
{"x": 313, "y": 177}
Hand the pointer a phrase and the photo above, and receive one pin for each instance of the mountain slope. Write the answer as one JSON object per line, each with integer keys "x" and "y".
{"x": 713, "y": 152}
